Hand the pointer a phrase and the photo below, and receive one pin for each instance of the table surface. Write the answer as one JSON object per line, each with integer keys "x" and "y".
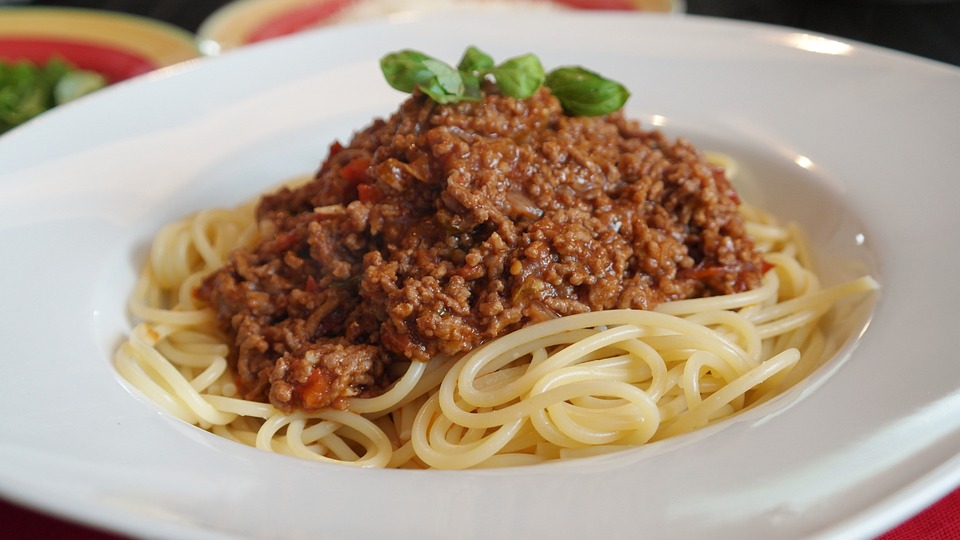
{"x": 940, "y": 521}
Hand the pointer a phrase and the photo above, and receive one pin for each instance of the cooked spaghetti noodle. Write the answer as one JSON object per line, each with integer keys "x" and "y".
{"x": 569, "y": 387}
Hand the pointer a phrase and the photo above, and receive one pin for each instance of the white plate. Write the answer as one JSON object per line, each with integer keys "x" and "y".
{"x": 857, "y": 143}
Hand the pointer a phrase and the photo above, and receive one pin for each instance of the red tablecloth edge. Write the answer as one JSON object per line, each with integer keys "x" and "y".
{"x": 941, "y": 521}
{"x": 20, "y": 523}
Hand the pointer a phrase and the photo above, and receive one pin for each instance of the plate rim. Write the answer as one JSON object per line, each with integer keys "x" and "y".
{"x": 162, "y": 43}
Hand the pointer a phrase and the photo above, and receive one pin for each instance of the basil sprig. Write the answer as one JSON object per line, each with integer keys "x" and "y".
{"x": 585, "y": 93}
{"x": 406, "y": 70}
{"x": 475, "y": 61}
{"x": 474, "y": 65}
{"x": 519, "y": 77}
{"x": 581, "y": 92}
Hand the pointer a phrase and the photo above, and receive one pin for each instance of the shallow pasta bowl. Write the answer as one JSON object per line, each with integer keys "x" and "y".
{"x": 828, "y": 133}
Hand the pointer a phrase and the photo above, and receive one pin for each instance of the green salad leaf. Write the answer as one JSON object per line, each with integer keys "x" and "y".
{"x": 28, "y": 89}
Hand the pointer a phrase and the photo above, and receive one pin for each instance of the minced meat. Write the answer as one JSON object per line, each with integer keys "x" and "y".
{"x": 446, "y": 226}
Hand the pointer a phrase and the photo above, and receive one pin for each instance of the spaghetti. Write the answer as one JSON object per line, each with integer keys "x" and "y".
{"x": 569, "y": 387}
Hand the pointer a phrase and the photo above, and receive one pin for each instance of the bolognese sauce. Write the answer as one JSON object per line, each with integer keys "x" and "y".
{"x": 445, "y": 226}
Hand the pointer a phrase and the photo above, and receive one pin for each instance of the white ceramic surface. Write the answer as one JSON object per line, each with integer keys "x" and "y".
{"x": 857, "y": 143}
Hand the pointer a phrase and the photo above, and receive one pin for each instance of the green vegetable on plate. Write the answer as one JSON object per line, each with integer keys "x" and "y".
{"x": 28, "y": 89}
{"x": 580, "y": 91}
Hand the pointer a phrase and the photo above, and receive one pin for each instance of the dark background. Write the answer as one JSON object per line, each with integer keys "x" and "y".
{"x": 929, "y": 28}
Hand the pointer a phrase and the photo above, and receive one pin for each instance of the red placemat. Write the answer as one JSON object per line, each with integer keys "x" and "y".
{"x": 19, "y": 523}
{"x": 938, "y": 522}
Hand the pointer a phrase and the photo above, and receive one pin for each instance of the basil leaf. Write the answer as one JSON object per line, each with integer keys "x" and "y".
{"x": 437, "y": 93}
{"x": 519, "y": 77}
{"x": 584, "y": 93}
{"x": 475, "y": 61}
{"x": 404, "y": 70}
{"x": 407, "y": 70}
{"x": 474, "y": 65}
{"x": 448, "y": 78}
{"x": 581, "y": 92}
{"x": 472, "y": 90}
